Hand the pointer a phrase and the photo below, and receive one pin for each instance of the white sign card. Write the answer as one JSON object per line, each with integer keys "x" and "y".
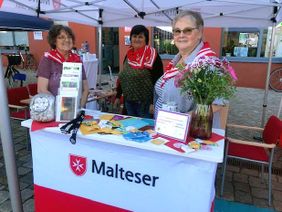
{"x": 37, "y": 35}
{"x": 173, "y": 125}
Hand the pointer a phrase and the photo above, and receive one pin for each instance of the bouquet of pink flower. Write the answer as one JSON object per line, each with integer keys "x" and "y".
{"x": 207, "y": 79}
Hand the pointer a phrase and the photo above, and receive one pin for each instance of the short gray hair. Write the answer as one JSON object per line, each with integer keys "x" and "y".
{"x": 195, "y": 16}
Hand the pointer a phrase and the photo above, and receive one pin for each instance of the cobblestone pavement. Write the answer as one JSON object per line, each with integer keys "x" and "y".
{"x": 243, "y": 184}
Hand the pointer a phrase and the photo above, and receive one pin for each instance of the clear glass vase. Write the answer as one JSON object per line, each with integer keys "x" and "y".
{"x": 201, "y": 123}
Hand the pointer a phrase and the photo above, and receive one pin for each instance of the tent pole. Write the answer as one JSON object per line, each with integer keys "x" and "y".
{"x": 38, "y": 9}
{"x": 8, "y": 147}
{"x": 268, "y": 75}
{"x": 100, "y": 55}
{"x": 100, "y": 21}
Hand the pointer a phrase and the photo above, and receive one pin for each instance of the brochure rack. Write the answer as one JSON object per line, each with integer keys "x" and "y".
{"x": 69, "y": 92}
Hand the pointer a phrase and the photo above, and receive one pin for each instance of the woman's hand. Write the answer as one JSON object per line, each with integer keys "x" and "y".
{"x": 116, "y": 105}
{"x": 85, "y": 92}
{"x": 42, "y": 85}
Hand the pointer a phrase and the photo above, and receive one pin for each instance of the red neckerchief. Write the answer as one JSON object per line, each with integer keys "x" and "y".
{"x": 171, "y": 71}
{"x": 56, "y": 56}
{"x": 141, "y": 58}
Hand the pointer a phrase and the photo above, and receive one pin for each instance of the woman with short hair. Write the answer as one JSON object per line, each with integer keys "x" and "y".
{"x": 61, "y": 40}
{"x": 187, "y": 31}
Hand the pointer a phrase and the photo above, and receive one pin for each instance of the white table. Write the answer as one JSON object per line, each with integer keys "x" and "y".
{"x": 106, "y": 172}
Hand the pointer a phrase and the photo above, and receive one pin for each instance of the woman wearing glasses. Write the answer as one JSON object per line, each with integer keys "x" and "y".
{"x": 61, "y": 40}
{"x": 187, "y": 34}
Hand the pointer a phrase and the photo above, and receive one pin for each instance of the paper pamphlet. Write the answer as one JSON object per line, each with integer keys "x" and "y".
{"x": 71, "y": 77}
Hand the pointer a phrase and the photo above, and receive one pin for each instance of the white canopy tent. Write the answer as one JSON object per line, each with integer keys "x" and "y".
{"x": 116, "y": 13}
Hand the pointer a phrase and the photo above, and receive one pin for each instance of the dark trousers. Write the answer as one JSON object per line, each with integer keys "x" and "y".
{"x": 138, "y": 108}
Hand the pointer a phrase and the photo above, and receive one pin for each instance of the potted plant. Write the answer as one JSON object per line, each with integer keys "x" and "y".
{"x": 205, "y": 80}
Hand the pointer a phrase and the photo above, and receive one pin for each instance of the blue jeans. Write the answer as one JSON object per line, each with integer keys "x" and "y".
{"x": 138, "y": 108}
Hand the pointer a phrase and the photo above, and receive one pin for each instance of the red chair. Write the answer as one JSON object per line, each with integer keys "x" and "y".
{"x": 32, "y": 89}
{"x": 18, "y": 111}
{"x": 257, "y": 152}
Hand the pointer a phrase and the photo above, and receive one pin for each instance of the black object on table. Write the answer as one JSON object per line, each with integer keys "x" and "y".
{"x": 73, "y": 126}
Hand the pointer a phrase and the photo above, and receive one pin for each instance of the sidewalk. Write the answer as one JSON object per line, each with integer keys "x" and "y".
{"x": 242, "y": 183}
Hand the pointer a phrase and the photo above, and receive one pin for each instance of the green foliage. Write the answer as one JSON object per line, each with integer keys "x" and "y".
{"x": 206, "y": 82}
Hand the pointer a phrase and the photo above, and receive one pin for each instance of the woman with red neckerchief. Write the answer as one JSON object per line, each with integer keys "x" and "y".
{"x": 61, "y": 40}
{"x": 142, "y": 67}
{"x": 187, "y": 34}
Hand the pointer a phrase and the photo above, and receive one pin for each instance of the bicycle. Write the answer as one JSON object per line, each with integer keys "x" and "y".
{"x": 28, "y": 60}
{"x": 275, "y": 80}
{"x": 12, "y": 74}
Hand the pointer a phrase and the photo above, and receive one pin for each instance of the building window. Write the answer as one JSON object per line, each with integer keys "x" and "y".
{"x": 277, "y": 47}
{"x": 240, "y": 42}
{"x": 6, "y": 38}
{"x": 250, "y": 42}
{"x": 10, "y": 39}
{"x": 21, "y": 38}
{"x": 163, "y": 40}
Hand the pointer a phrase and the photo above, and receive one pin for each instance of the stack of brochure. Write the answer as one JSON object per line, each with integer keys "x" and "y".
{"x": 69, "y": 93}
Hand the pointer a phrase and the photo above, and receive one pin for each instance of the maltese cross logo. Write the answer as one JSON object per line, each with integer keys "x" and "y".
{"x": 78, "y": 164}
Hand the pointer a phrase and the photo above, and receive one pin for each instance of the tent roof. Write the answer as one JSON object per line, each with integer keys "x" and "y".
{"x": 13, "y": 21}
{"x": 114, "y": 13}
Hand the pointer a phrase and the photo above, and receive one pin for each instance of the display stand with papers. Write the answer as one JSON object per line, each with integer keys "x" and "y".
{"x": 67, "y": 100}
{"x": 109, "y": 173}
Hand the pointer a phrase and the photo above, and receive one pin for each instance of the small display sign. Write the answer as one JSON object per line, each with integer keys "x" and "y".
{"x": 37, "y": 35}
{"x": 172, "y": 124}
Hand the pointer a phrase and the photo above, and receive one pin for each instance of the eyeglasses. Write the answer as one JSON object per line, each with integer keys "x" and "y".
{"x": 64, "y": 37}
{"x": 186, "y": 31}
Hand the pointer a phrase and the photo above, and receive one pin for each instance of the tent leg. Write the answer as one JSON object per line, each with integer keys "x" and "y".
{"x": 100, "y": 56}
{"x": 8, "y": 147}
{"x": 268, "y": 75}
{"x": 280, "y": 107}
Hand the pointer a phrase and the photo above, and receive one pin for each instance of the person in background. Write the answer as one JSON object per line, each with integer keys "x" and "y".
{"x": 61, "y": 40}
{"x": 187, "y": 28}
{"x": 141, "y": 69}
{"x": 86, "y": 46}
{"x": 74, "y": 50}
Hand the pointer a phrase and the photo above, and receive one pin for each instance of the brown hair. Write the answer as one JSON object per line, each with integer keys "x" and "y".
{"x": 54, "y": 32}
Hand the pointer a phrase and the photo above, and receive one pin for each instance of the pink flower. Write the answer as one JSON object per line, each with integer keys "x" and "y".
{"x": 229, "y": 68}
{"x": 232, "y": 72}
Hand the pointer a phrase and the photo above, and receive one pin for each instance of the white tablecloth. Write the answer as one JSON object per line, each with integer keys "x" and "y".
{"x": 106, "y": 172}
{"x": 91, "y": 69}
